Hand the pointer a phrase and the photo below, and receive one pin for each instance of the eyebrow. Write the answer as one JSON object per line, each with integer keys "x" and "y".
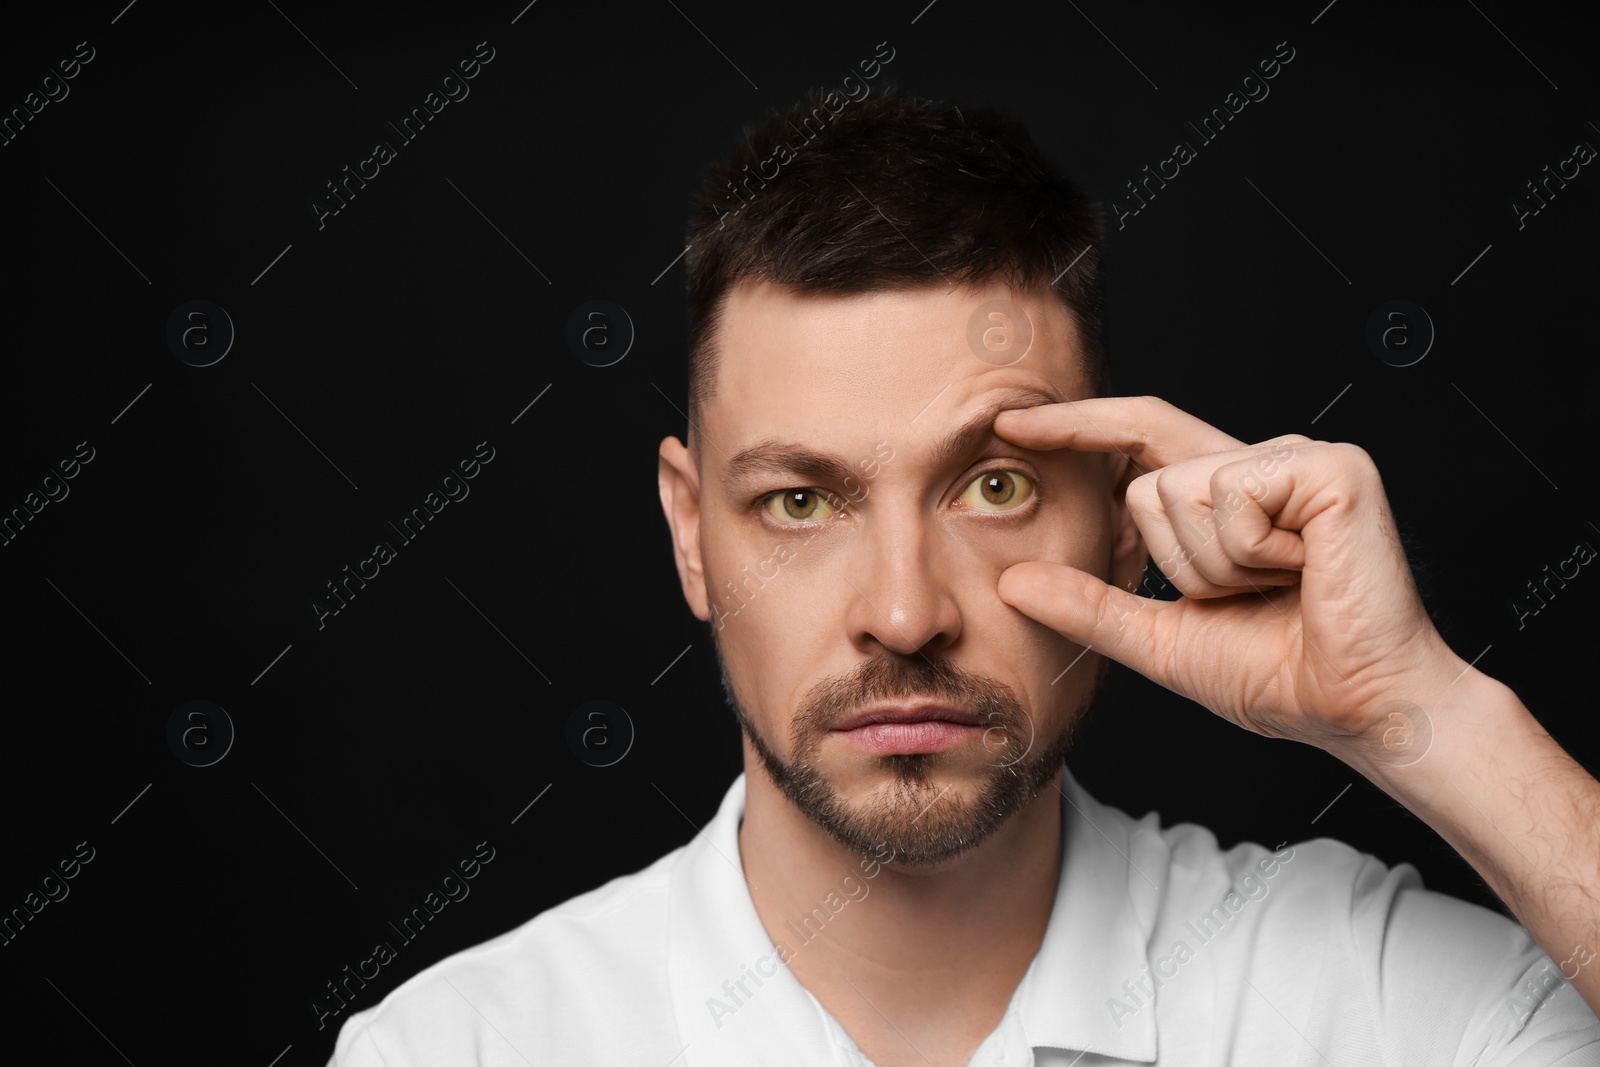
{"x": 785, "y": 457}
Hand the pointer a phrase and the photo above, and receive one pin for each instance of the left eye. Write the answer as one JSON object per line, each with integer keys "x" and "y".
{"x": 998, "y": 491}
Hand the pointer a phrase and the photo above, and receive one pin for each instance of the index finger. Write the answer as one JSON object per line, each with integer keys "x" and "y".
{"x": 1148, "y": 430}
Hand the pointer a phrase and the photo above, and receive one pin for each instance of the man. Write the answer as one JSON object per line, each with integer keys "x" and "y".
{"x": 914, "y": 597}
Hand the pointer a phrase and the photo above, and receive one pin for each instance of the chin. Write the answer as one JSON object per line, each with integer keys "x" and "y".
{"x": 915, "y": 809}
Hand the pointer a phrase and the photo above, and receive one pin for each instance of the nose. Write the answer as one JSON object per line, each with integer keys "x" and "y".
{"x": 900, "y": 594}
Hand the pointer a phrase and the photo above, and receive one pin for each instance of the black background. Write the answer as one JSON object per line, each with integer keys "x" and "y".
{"x": 377, "y": 351}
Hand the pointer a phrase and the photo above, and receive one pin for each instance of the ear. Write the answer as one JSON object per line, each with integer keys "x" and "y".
{"x": 679, "y": 479}
{"x": 1128, "y": 551}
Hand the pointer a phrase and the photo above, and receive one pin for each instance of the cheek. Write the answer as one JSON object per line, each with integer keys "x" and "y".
{"x": 765, "y": 612}
{"x": 1075, "y": 532}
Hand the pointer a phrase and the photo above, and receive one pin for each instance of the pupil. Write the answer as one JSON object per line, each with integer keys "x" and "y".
{"x": 998, "y": 494}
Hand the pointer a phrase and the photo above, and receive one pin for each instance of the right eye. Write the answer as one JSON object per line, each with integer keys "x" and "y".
{"x": 797, "y": 507}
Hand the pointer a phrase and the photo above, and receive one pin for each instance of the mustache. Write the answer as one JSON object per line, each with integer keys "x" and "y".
{"x": 904, "y": 679}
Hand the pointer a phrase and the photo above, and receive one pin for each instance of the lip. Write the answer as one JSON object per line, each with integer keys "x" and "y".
{"x": 911, "y": 713}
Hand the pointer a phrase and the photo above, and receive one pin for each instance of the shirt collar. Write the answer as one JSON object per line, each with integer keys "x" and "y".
{"x": 714, "y": 939}
{"x": 1098, "y": 934}
{"x": 1094, "y": 941}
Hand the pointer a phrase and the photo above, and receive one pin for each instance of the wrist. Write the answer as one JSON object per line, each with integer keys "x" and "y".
{"x": 1437, "y": 731}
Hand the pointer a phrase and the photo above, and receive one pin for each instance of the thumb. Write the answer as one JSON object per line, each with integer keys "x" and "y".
{"x": 1086, "y": 610}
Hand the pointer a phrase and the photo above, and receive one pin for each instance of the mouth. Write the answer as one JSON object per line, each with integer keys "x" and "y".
{"x": 908, "y": 729}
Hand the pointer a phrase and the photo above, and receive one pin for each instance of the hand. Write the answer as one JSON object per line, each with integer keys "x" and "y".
{"x": 1299, "y": 617}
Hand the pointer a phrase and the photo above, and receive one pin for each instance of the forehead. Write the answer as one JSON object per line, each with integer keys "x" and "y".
{"x": 888, "y": 364}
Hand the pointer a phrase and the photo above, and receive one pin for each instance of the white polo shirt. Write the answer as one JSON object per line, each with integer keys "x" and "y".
{"x": 1161, "y": 949}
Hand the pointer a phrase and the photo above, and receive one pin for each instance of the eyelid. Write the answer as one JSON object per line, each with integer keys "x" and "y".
{"x": 990, "y": 464}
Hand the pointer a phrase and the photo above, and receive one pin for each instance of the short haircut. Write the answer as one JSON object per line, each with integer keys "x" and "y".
{"x": 890, "y": 191}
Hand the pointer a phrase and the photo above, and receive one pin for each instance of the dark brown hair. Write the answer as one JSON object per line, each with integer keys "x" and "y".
{"x": 890, "y": 191}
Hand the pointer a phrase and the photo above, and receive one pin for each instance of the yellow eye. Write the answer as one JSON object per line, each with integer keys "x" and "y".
{"x": 998, "y": 491}
{"x": 795, "y": 506}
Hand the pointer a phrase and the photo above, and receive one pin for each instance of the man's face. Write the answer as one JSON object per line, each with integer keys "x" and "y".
{"x": 847, "y": 558}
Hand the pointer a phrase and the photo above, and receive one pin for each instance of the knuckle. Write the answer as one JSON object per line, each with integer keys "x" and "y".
{"x": 1168, "y": 490}
{"x": 1241, "y": 479}
{"x": 1151, "y": 410}
{"x": 1143, "y": 491}
{"x": 1154, "y": 407}
{"x": 1354, "y": 458}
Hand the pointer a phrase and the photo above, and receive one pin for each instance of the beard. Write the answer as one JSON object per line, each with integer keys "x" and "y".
{"x": 920, "y": 823}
